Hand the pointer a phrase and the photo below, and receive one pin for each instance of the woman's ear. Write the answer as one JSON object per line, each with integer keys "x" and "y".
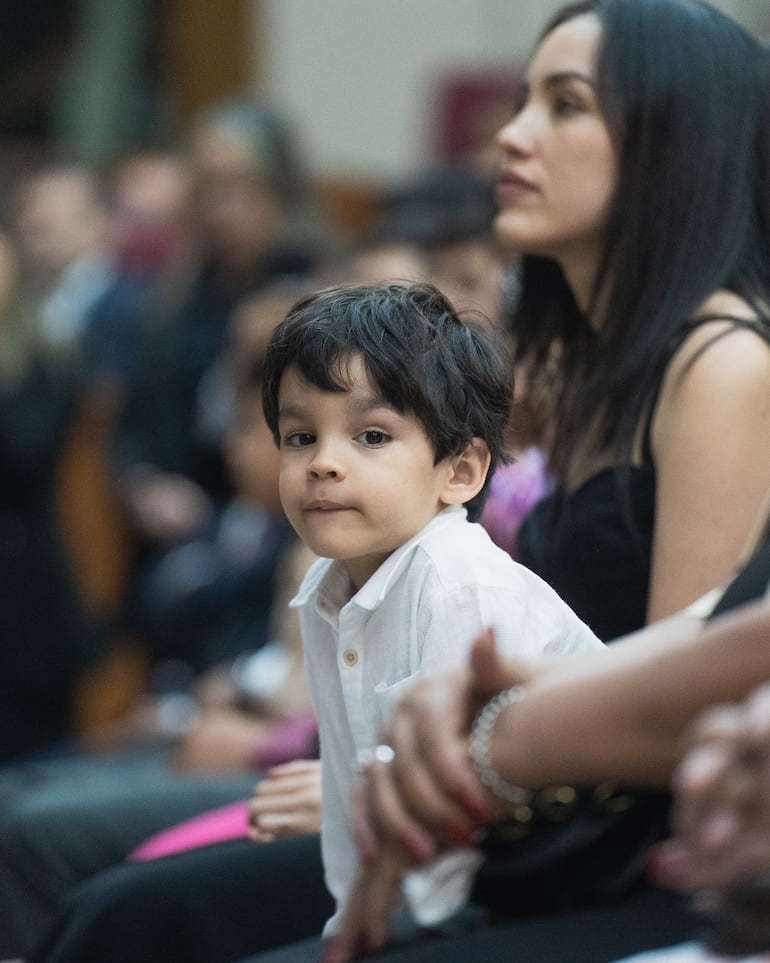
{"x": 468, "y": 473}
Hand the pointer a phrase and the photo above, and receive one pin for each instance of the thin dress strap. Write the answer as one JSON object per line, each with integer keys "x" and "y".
{"x": 760, "y": 326}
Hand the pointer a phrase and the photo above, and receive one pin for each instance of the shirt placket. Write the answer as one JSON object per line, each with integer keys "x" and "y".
{"x": 351, "y": 665}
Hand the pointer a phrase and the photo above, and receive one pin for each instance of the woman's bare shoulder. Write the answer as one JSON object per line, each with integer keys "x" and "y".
{"x": 739, "y": 336}
{"x": 722, "y": 366}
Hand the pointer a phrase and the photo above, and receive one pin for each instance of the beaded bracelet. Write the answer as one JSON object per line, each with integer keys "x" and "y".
{"x": 481, "y": 734}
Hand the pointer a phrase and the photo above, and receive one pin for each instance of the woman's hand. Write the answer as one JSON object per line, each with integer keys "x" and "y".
{"x": 287, "y": 801}
{"x": 366, "y": 921}
{"x": 429, "y": 795}
{"x": 426, "y": 798}
{"x": 722, "y": 808}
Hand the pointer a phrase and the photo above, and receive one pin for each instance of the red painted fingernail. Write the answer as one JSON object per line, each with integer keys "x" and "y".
{"x": 476, "y": 808}
{"x": 420, "y": 848}
{"x": 458, "y": 833}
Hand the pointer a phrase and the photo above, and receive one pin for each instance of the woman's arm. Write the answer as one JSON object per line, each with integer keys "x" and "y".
{"x": 622, "y": 717}
{"x": 617, "y": 715}
{"x": 711, "y": 445}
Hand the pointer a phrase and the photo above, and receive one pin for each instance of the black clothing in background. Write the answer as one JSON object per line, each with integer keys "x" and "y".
{"x": 46, "y": 638}
{"x": 183, "y": 331}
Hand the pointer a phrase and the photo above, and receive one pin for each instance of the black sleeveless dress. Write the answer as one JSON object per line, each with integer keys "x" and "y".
{"x": 593, "y": 545}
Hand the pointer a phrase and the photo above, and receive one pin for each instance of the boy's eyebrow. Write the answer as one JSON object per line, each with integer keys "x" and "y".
{"x": 357, "y": 404}
{"x": 290, "y": 411}
{"x": 368, "y": 402}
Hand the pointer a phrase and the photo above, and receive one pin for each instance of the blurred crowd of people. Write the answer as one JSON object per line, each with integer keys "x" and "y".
{"x": 134, "y": 305}
{"x": 152, "y": 667}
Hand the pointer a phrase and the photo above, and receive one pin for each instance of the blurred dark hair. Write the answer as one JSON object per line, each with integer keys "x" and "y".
{"x": 454, "y": 377}
{"x": 444, "y": 206}
{"x": 268, "y": 137}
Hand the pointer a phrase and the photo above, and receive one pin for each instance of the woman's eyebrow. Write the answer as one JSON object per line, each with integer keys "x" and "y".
{"x": 560, "y": 77}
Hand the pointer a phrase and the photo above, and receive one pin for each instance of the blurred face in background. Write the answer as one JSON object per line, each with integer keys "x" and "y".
{"x": 239, "y": 213}
{"x": 59, "y": 217}
{"x": 150, "y": 223}
{"x": 251, "y": 453}
{"x": 470, "y": 273}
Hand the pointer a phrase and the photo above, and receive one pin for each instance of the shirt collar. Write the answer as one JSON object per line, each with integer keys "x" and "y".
{"x": 334, "y": 586}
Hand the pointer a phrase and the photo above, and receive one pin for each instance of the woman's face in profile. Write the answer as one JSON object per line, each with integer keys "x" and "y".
{"x": 559, "y": 166}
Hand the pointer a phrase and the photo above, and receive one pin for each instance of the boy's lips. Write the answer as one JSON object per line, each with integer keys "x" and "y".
{"x": 325, "y": 505}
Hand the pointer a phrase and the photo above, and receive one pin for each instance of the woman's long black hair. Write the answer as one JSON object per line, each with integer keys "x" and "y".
{"x": 685, "y": 93}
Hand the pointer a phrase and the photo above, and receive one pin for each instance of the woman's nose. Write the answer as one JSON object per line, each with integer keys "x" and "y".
{"x": 515, "y": 137}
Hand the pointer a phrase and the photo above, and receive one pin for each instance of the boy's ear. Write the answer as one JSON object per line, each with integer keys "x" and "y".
{"x": 468, "y": 473}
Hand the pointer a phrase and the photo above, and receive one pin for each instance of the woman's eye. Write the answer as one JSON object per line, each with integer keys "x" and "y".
{"x": 373, "y": 436}
{"x": 566, "y": 106}
{"x": 299, "y": 439}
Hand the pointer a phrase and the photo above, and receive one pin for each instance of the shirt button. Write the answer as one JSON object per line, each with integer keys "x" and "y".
{"x": 350, "y": 657}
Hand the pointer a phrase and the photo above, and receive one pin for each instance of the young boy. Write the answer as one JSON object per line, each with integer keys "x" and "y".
{"x": 390, "y": 414}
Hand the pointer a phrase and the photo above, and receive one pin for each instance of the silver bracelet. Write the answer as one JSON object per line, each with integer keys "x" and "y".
{"x": 480, "y": 737}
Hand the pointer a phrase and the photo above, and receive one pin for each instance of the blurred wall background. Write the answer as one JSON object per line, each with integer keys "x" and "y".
{"x": 367, "y": 81}
{"x": 373, "y": 89}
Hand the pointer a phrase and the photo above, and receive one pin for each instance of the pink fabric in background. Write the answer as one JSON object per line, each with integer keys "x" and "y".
{"x": 226, "y": 822}
{"x": 515, "y": 489}
{"x": 291, "y": 738}
{"x": 295, "y": 737}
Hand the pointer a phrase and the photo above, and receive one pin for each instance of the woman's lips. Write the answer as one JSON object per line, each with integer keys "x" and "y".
{"x": 511, "y": 186}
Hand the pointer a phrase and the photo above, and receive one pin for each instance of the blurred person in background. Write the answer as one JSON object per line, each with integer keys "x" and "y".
{"x": 48, "y": 638}
{"x": 167, "y": 458}
{"x": 438, "y": 226}
{"x": 447, "y": 213}
{"x": 180, "y": 754}
{"x": 60, "y": 227}
{"x": 206, "y": 598}
{"x": 149, "y": 236}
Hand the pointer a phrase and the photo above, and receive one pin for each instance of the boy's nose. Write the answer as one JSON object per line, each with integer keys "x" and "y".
{"x": 326, "y": 464}
{"x": 318, "y": 472}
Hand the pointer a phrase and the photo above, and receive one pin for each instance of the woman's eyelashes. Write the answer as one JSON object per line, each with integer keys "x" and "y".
{"x": 560, "y": 105}
{"x": 566, "y": 106}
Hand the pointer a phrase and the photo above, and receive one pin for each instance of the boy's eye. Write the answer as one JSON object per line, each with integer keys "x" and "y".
{"x": 373, "y": 437}
{"x": 299, "y": 439}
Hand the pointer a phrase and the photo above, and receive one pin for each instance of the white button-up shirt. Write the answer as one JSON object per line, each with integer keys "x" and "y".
{"x": 418, "y": 613}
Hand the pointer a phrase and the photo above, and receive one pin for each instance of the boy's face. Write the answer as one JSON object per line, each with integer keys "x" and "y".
{"x": 357, "y": 478}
